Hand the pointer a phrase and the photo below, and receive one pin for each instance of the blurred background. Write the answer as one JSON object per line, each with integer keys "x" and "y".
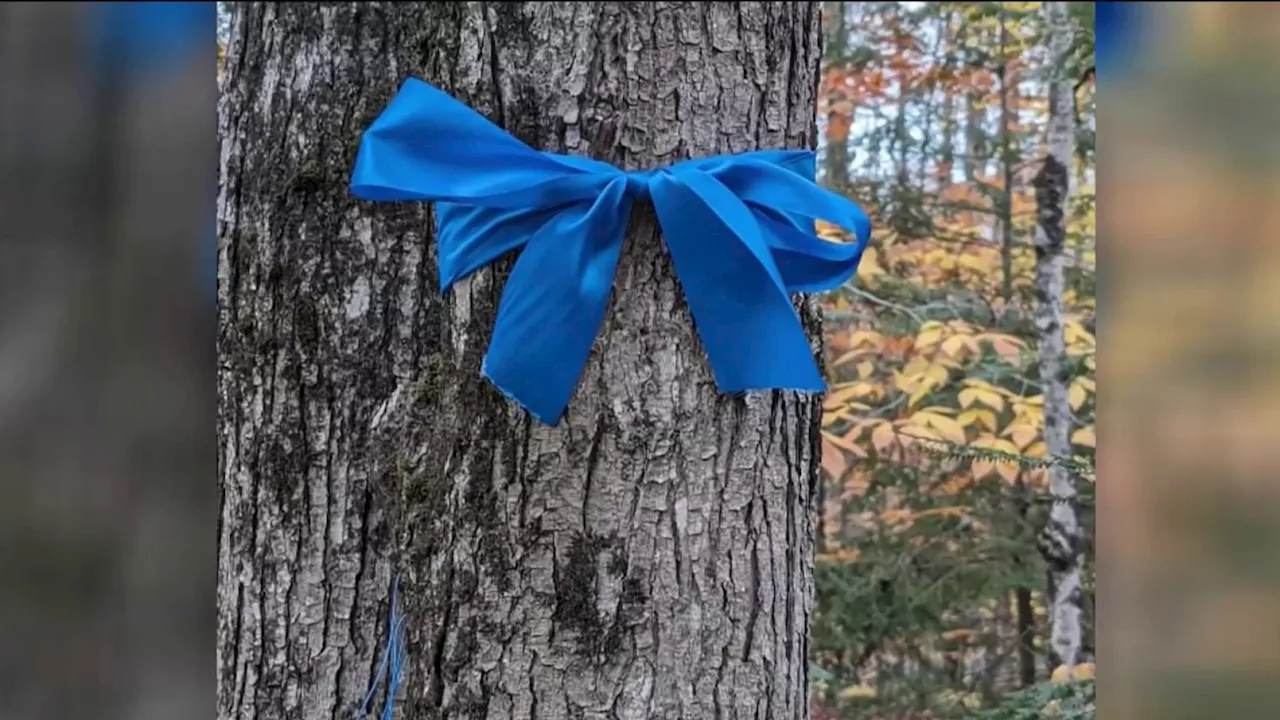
{"x": 930, "y": 581}
{"x": 107, "y": 500}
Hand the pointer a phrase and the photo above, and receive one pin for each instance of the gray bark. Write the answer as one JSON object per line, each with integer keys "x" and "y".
{"x": 1061, "y": 539}
{"x": 650, "y": 557}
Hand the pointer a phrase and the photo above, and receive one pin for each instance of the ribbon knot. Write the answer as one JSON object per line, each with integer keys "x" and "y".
{"x": 739, "y": 229}
{"x": 638, "y": 183}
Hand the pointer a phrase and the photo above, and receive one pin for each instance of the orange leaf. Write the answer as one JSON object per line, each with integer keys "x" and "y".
{"x": 883, "y": 436}
{"x": 1084, "y": 436}
{"x": 833, "y": 461}
{"x": 982, "y": 468}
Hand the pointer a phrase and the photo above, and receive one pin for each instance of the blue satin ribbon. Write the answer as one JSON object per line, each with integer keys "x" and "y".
{"x": 740, "y": 230}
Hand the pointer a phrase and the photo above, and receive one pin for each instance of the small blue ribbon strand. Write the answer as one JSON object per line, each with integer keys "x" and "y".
{"x": 740, "y": 231}
{"x": 391, "y": 666}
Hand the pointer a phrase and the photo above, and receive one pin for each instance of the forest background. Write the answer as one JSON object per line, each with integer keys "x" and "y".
{"x": 931, "y": 573}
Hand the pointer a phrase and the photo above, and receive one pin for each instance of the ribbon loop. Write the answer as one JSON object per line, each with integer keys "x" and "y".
{"x": 739, "y": 229}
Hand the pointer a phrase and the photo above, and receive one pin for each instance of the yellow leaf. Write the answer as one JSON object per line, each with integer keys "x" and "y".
{"x": 991, "y": 442}
{"x": 1022, "y": 435}
{"x": 929, "y": 336}
{"x": 1029, "y": 415}
{"x": 949, "y": 429}
{"x": 925, "y": 387}
{"x": 938, "y": 373}
{"x": 1084, "y": 436}
{"x": 990, "y": 398}
{"x": 850, "y": 391}
{"x": 1074, "y": 332}
{"x": 1076, "y": 396}
{"x": 882, "y": 437}
{"x": 828, "y": 231}
{"x": 1005, "y": 446}
{"x": 868, "y": 338}
{"x": 920, "y": 432}
{"x": 862, "y": 691}
{"x": 978, "y": 416}
{"x": 865, "y": 368}
{"x": 957, "y": 346}
{"x": 1035, "y": 450}
{"x": 869, "y": 265}
{"x": 939, "y": 410}
{"x": 917, "y": 365}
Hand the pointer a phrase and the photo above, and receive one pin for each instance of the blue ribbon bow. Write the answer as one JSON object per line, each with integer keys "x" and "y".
{"x": 740, "y": 230}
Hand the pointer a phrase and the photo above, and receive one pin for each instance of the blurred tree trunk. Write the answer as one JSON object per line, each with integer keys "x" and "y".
{"x": 841, "y": 105}
{"x": 975, "y": 146}
{"x": 1008, "y": 156}
{"x": 651, "y": 556}
{"x": 947, "y": 156}
{"x": 1061, "y": 540}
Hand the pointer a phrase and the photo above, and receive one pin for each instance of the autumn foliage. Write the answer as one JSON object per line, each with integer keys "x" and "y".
{"x": 933, "y": 459}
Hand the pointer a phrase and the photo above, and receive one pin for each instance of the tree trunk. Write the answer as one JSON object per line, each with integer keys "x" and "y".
{"x": 947, "y": 159}
{"x": 1061, "y": 540}
{"x": 650, "y": 556}
{"x": 842, "y": 107}
{"x": 1007, "y": 162}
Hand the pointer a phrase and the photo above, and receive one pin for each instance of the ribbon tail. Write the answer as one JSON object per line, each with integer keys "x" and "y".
{"x": 554, "y": 302}
{"x": 753, "y": 338}
{"x": 806, "y": 262}
{"x": 778, "y": 194}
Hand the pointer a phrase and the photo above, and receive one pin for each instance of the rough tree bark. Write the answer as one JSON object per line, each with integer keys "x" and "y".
{"x": 1061, "y": 541}
{"x": 648, "y": 558}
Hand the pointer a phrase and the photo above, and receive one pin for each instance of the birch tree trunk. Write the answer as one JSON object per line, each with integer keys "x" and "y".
{"x": 648, "y": 558}
{"x": 1061, "y": 541}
